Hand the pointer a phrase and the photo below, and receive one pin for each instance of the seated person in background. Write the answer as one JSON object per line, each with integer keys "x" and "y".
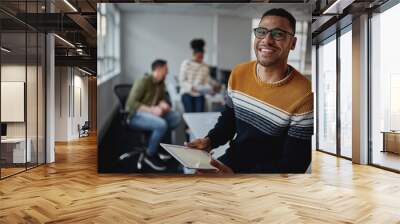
{"x": 194, "y": 79}
{"x": 269, "y": 107}
{"x": 148, "y": 110}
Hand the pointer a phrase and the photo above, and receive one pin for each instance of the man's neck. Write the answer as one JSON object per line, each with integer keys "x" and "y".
{"x": 154, "y": 75}
{"x": 272, "y": 74}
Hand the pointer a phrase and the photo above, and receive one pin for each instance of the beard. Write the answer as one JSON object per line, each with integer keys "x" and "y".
{"x": 272, "y": 60}
{"x": 267, "y": 62}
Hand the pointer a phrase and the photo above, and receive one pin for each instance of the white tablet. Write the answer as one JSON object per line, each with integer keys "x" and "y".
{"x": 190, "y": 158}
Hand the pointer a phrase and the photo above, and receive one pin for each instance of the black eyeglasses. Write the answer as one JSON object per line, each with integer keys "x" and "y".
{"x": 276, "y": 34}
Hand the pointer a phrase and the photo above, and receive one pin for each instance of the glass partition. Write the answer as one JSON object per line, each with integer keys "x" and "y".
{"x": 22, "y": 87}
{"x": 385, "y": 89}
{"x": 13, "y": 109}
{"x": 327, "y": 95}
{"x": 346, "y": 93}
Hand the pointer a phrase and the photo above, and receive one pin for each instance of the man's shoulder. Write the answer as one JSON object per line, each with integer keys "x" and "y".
{"x": 300, "y": 89}
{"x": 301, "y": 81}
{"x": 240, "y": 70}
{"x": 248, "y": 65}
{"x": 142, "y": 80}
{"x": 146, "y": 78}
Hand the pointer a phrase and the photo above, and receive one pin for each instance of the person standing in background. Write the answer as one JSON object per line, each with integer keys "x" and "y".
{"x": 194, "y": 79}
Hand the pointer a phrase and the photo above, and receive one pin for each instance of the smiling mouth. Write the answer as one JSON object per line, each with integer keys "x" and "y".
{"x": 265, "y": 51}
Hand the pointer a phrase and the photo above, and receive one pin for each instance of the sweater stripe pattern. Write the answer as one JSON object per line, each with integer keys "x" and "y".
{"x": 272, "y": 109}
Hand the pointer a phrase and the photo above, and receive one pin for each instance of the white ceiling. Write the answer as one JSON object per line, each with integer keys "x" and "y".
{"x": 302, "y": 12}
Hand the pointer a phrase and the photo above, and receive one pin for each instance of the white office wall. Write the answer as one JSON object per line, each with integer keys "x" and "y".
{"x": 80, "y": 104}
{"x": 71, "y": 87}
{"x": 233, "y": 41}
{"x": 61, "y": 103}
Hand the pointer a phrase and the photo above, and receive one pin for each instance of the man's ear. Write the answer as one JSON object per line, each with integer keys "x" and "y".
{"x": 293, "y": 43}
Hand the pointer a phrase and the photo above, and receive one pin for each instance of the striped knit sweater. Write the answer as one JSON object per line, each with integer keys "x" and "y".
{"x": 193, "y": 74}
{"x": 273, "y": 123}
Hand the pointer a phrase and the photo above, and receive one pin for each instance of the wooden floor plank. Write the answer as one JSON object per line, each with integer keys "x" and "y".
{"x": 71, "y": 191}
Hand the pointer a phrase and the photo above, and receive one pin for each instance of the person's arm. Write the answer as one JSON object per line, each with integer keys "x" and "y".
{"x": 206, "y": 76}
{"x": 165, "y": 102}
{"x": 223, "y": 131}
{"x": 225, "y": 128}
{"x": 297, "y": 146}
{"x": 133, "y": 103}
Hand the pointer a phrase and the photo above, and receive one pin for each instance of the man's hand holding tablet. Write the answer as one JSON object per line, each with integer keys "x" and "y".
{"x": 189, "y": 157}
{"x": 205, "y": 145}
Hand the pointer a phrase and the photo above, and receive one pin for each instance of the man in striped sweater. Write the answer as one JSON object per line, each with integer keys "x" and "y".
{"x": 268, "y": 118}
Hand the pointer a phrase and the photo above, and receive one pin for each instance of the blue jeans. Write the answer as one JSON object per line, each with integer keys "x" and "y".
{"x": 157, "y": 125}
{"x": 193, "y": 103}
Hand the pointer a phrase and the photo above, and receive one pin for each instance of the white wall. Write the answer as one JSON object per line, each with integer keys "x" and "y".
{"x": 233, "y": 41}
{"x": 81, "y": 108}
{"x": 67, "y": 114}
{"x": 61, "y": 103}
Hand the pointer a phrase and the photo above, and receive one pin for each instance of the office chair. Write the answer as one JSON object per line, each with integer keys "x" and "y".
{"x": 84, "y": 129}
{"x": 122, "y": 93}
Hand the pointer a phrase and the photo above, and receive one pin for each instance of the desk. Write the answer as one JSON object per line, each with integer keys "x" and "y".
{"x": 13, "y": 150}
{"x": 391, "y": 141}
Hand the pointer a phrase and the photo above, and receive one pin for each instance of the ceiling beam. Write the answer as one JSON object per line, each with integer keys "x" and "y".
{"x": 84, "y": 24}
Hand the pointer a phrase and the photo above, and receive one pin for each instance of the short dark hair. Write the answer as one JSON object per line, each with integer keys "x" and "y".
{"x": 197, "y": 45}
{"x": 158, "y": 63}
{"x": 282, "y": 13}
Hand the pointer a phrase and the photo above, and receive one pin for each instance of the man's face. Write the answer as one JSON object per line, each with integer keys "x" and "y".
{"x": 162, "y": 72}
{"x": 270, "y": 52}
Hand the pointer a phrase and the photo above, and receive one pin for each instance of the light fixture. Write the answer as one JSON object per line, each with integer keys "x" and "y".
{"x": 70, "y": 5}
{"x": 64, "y": 40}
{"x": 84, "y": 71}
{"x": 337, "y": 7}
{"x": 5, "y": 50}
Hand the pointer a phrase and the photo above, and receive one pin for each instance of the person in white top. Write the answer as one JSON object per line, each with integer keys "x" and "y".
{"x": 194, "y": 79}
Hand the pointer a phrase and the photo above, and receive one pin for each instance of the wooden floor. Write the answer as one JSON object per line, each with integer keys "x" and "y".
{"x": 71, "y": 191}
{"x": 10, "y": 171}
{"x": 387, "y": 159}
